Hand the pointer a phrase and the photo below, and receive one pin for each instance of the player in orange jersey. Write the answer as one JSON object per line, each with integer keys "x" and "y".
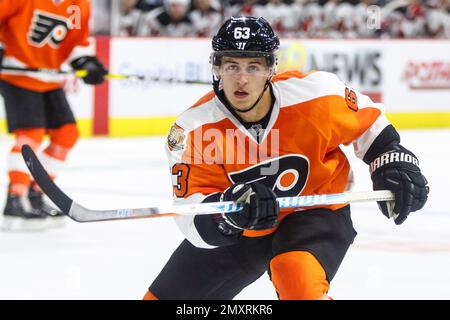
{"x": 261, "y": 135}
{"x": 40, "y": 34}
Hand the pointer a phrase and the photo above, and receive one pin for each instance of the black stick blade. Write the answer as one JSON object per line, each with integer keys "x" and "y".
{"x": 40, "y": 175}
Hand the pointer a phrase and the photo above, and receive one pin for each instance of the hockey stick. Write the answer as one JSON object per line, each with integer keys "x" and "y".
{"x": 82, "y": 214}
{"x": 76, "y": 73}
{"x": 83, "y": 73}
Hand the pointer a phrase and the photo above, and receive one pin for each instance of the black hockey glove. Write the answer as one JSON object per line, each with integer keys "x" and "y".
{"x": 398, "y": 170}
{"x": 96, "y": 70}
{"x": 260, "y": 209}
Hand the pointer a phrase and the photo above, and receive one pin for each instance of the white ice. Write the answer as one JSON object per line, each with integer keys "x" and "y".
{"x": 118, "y": 260}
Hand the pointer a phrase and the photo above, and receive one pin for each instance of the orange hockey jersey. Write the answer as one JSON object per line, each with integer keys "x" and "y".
{"x": 299, "y": 153}
{"x": 42, "y": 34}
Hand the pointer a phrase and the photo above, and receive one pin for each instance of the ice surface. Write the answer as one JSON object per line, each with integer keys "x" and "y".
{"x": 118, "y": 260}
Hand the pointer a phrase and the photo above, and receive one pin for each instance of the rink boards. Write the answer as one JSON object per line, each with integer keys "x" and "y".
{"x": 411, "y": 77}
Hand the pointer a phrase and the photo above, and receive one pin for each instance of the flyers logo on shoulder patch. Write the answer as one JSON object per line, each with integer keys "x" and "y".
{"x": 47, "y": 28}
{"x": 176, "y": 138}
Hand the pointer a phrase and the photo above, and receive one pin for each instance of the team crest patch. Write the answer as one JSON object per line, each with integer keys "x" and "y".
{"x": 176, "y": 137}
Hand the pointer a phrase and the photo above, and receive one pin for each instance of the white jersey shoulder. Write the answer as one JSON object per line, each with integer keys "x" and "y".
{"x": 315, "y": 85}
{"x": 295, "y": 90}
{"x": 201, "y": 114}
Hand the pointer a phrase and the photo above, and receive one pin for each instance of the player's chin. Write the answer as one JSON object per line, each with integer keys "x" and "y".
{"x": 242, "y": 104}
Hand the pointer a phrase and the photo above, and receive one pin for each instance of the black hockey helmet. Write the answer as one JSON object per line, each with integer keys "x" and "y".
{"x": 245, "y": 37}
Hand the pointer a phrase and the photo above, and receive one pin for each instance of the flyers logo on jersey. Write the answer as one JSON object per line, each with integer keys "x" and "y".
{"x": 286, "y": 175}
{"x": 47, "y": 28}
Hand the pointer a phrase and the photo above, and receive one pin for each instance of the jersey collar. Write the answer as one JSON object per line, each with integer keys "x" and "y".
{"x": 273, "y": 117}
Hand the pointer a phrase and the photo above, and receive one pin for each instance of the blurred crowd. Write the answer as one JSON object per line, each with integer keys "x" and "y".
{"x": 290, "y": 18}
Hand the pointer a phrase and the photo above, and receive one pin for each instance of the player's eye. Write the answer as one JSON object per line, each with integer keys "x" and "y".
{"x": 253, "y": 69}
{"x": 232, "y": 69}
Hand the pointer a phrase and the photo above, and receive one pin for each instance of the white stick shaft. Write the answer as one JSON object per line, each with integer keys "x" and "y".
{"x": 81, "y": 214}
{"x": 287, "y": 202}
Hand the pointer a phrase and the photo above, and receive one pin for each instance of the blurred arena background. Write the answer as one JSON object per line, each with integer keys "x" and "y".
{"x": 397, "y": 52}
{"x": 394, "y": 51}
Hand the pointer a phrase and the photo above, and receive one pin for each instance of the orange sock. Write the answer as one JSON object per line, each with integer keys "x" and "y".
{"x": 298, "y": 275}
{"x": 19, "y": 176}
{"x": 150, "y": 296}
{"x": 62, "y": 141}
{"x": 65, "y": 136}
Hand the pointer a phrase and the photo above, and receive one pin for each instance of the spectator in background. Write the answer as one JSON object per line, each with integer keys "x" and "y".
{"x": 100, "y": 21}
{"x": 245, "y": 8}
{"x": 311, "y": 20}
{"x": 340, "y": 20}
{"x": 413, "y": 25}
{"x": 437, "y": 18}
{"x": 402, "y": 19}
{"x": 206, "y": 16}
{"x": 290, "y": 18}
{"x": 148, "y": 5}
{"x": 130, "y": 18}
{"x": 329, "y": 14}
{"x": 171, "y": 20}
{"x": 406, "y": 19}
{"x": 280, "y": 15}
{"x": 296, "y": 10}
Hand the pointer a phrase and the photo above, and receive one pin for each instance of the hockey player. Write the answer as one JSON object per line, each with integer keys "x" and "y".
{"x": 40, "y": 34}
{"x": 260, "y": 135}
